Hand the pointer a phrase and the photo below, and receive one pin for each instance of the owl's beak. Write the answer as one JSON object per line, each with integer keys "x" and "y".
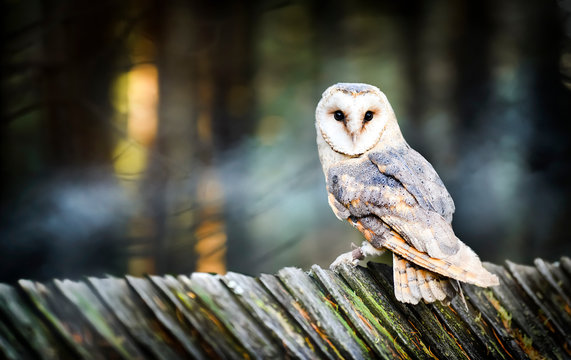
{"x": 354, "y": 137}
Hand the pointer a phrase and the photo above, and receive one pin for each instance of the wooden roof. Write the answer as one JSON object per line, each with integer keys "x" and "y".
{"x": 294, "y": 314}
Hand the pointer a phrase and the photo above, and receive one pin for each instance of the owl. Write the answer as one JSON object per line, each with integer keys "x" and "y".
{"x": 392, "y": 195}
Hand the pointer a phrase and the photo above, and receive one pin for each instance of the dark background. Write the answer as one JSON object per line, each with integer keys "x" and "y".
{"x": 175, "y": 136}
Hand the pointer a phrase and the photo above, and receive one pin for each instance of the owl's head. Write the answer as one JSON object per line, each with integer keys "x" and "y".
{"x": 351, "y": 117}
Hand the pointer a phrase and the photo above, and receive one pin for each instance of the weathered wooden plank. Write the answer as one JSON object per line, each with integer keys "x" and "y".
{"x": 420, "y": 317}
{"x": 35, "y": 333}
{"x": 405, "y": 338}
{"x": 10, "y": 347}
{"x": 102, "y": 321}
{"x": 166, "y": 313}
{"x": 566, "y": 265}
{"x": 137, "y": 318}
{"x": 473, "y": 346}
{"x": 472, "y": 319}
{"x": 552, "y": 274}
{"x": 268, "y": 312}
{"x": 562, "y": 279}
{"x": 550, "y": 307}
{"x": 497, "y": 317}
{"x": 513, "y": 338}
{"x": 292, "y": 306}
{"x": 378, "y": 338}
{"x": 222, "y": 303}
{"x": 220, "y": 340}
{"x": 510, "y": 296}
{"x": 324, "y": 314}
{"x": 292, "y": 315}
{"x": 67, "y": 322}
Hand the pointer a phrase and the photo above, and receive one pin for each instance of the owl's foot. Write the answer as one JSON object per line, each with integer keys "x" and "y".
{"x": 369, "y": 250}
{"x": 353, "y": 257}
{"x": 350, "y": 258}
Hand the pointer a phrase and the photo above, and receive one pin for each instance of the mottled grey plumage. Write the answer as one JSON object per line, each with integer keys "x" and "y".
{"x": 392, "y": 195}
{"x": 366, "y": 188}
{"x": 417, "y": 176}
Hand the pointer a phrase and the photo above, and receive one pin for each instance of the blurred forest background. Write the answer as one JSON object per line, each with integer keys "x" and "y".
{"x": 173, "y": 136}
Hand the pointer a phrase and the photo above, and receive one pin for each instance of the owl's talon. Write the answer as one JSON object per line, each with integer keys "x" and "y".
{"x": 347, "y": 258}
{"x": 369, "y": 250}
{"x": 353, "y": 257}
{"x": 357, "y": 254}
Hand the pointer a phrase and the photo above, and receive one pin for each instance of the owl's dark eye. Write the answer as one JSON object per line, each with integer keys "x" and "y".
{"x": 368, "y": 116}
{"x": 338, "y": 115}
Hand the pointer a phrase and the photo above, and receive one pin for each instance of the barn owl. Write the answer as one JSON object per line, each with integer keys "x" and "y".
{"x": 392, "y": 195}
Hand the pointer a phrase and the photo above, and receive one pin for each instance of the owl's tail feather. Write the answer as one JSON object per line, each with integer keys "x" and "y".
{"x": 413, "y": 283}
{"x": 465, "y": 266}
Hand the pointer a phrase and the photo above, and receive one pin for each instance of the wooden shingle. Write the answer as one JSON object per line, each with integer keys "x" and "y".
{"x": 349, "y": 314}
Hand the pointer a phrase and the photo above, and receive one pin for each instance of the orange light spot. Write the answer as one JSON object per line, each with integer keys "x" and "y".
{"x": 143, "y": 97}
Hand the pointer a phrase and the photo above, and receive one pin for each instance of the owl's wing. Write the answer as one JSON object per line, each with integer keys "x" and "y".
{"x": 378, "y": 203}
{"x": 416, "y": 174}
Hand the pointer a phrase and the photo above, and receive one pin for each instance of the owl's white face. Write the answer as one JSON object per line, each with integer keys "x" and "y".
{"x": 351, "y": 117}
